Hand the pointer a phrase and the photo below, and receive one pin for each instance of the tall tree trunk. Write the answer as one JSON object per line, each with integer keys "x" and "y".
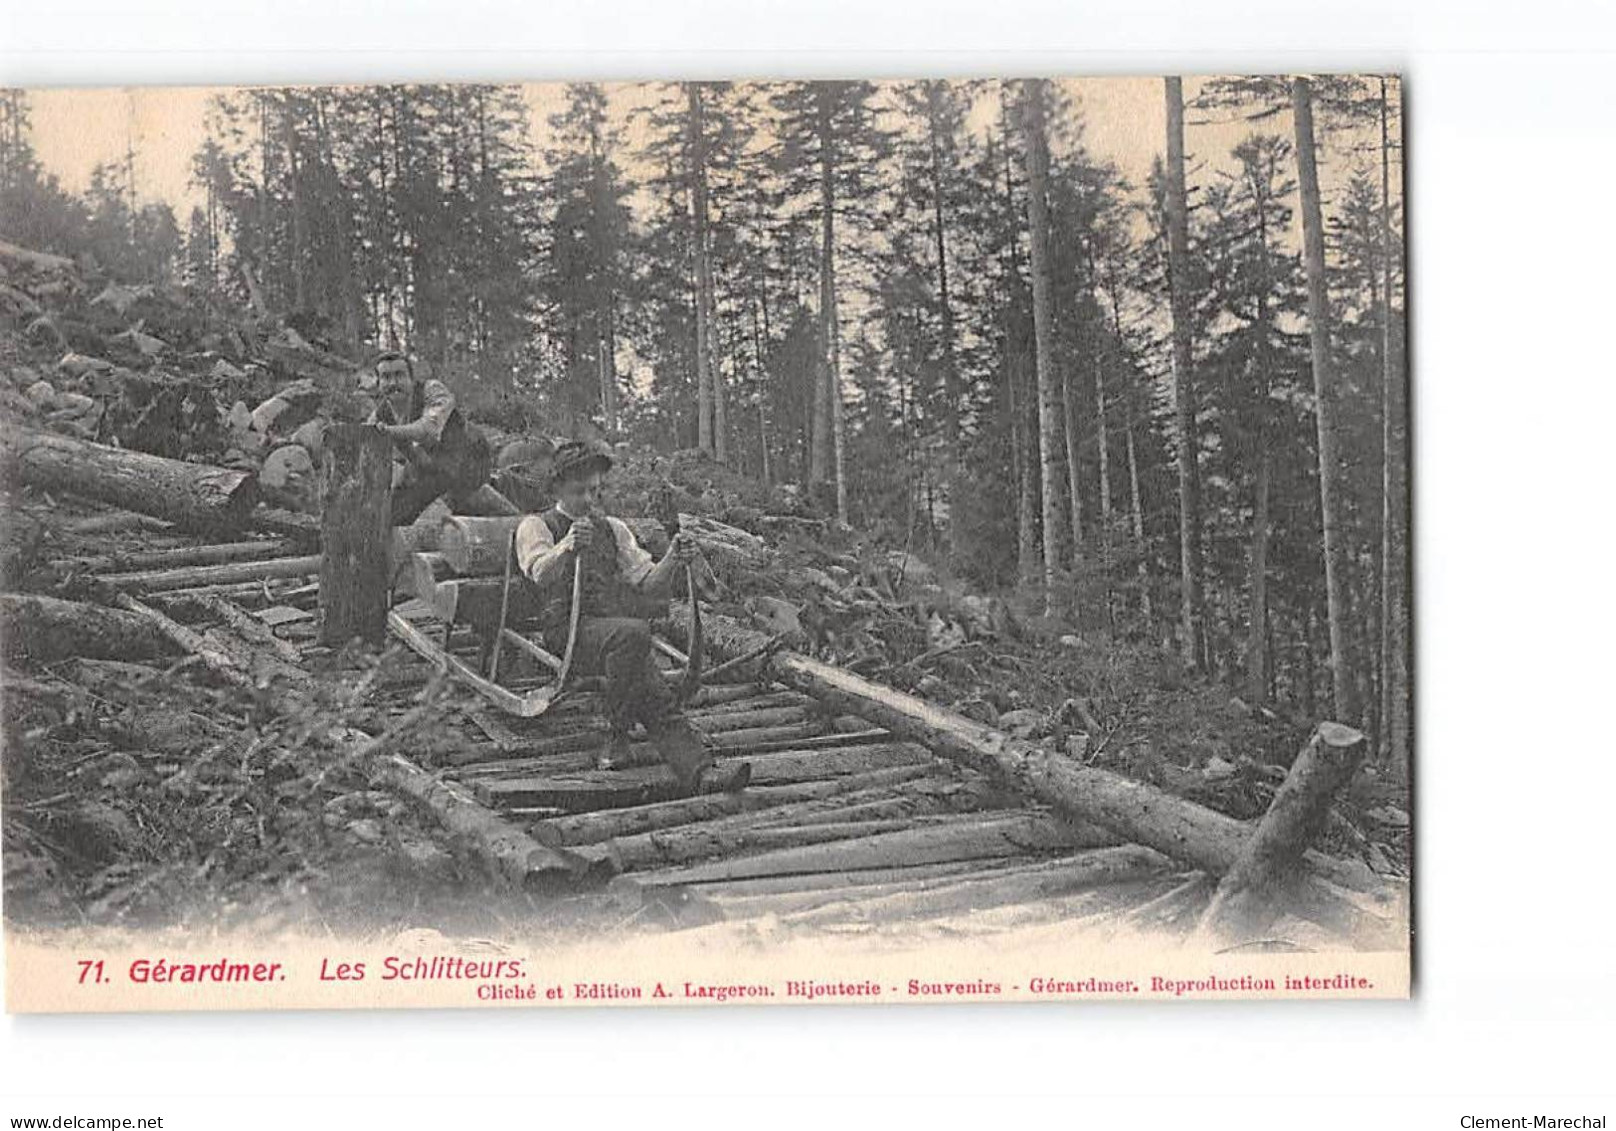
{"x": 1138, "y": 516}
{"x": 300, "y": 235}
{"x": 1105, "y": 482}
{"x": 1318, "y": 311}
{"x": 1393, "y": 575}
{"x": 1257, "y": 641}
{"x": 1049, "y": 407}
{"x": 1189, "y": 477}
{"x": 697, "y": 148}
{"x": 1070, "y": 402}
{"x": 1136, "y": 511}
{"x": 1310, "y": 663}
{"x": 720, "y": 397}
{"x": 1257, "y": 677}
{"x": 606, "y": 347}
{"x": 951, "y": 376}
{"x": 1021, "y": 443}
{"x": 760, "y": 381}
{"x": 820, "y": 467}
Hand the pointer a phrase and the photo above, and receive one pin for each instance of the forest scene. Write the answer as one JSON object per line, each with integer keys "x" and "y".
{"x": 1075, "y": 409}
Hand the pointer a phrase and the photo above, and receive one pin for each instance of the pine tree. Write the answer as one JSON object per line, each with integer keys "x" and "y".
{"x": 829, "y": 154}
{"x": 1049, "y": 404}
{"x": 1189, "y": 479}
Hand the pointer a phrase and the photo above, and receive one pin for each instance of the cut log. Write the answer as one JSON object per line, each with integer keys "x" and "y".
{"x": 25, "y": 260}
{"x": 772, "y": 738}
{"x": 215, "y": 658}
{"x": 516, "y": 858}
{"x": 970, "y": 837}
{"x": 1254, "y": 890}
{"x": 427, "y": 570}
{"x": 1205, "y": 838}
{"x": 713, "y": 695}
{"x": 775, "y": 893}
{"x": 302, "y": 529}
{"x": 248, "y": 594}
{"x": 809, "y": 822}
{"x": 193, "y": 495}
{"x": 476, "y": 546}
{"x": 591, "y": 828}
{"x": 356, "y": 469}
{"x": 203, "y": 576}
{"x": 903, "y": 903}
{"x": 113, "y": 523}
{"x": 45, "y": 629}
{"x": 250, "y": 627}
{"x": 601, "y": 789}
{"x": 724, "y": 542}
{"x": 178, "y": 556}
{"x": 727, "y": 722}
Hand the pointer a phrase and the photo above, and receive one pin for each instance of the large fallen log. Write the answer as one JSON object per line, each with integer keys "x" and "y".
{"x": 1141, "y": 813}
{"x": 1253, "y": 890}
{"x": 45, "y": 629}
{"x": 193, "y": 495}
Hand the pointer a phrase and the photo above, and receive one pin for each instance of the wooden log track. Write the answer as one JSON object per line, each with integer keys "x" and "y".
{"x": 191, "y": 495}
{"x": 867, "y": 807}
{"x": 1138, "y": 812}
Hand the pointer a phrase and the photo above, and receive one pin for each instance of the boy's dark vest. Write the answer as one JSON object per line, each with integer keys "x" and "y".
{"x": 604, "y": 593}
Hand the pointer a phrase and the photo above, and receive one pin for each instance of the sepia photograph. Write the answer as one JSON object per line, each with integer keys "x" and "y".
{"x": 705, "y": 542}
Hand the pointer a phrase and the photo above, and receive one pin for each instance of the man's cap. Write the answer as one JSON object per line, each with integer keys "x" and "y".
{"x": 525, "y": 452}
{"x": 575, "y": 459}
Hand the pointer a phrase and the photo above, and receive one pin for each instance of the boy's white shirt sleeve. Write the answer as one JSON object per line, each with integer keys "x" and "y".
{"x": 535, "y": 546}
{"x": 633, "y": 560}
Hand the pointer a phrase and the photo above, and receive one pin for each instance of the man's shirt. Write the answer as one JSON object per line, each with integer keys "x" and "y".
{"x": 536, "y": 547}
{"x": 437, "y": 404}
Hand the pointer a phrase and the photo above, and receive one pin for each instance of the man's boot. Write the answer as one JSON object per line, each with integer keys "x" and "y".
{"x": 684, "y": 750}
{"x": 615, "y": 755}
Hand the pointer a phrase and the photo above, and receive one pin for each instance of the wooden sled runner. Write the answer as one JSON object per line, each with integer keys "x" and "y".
{"x": 444, "y": 600}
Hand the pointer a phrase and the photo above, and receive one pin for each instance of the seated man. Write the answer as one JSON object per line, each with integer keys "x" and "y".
{"x": 444, "y": 453}
{"x": 614, "y": 636}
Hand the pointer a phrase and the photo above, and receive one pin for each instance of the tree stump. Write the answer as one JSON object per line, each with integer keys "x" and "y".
{"x": 356, "y": 470}
{"x": 1251, "y": 892}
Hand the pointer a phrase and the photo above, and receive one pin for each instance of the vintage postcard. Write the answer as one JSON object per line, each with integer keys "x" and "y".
{"x": 698, "y": 543}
